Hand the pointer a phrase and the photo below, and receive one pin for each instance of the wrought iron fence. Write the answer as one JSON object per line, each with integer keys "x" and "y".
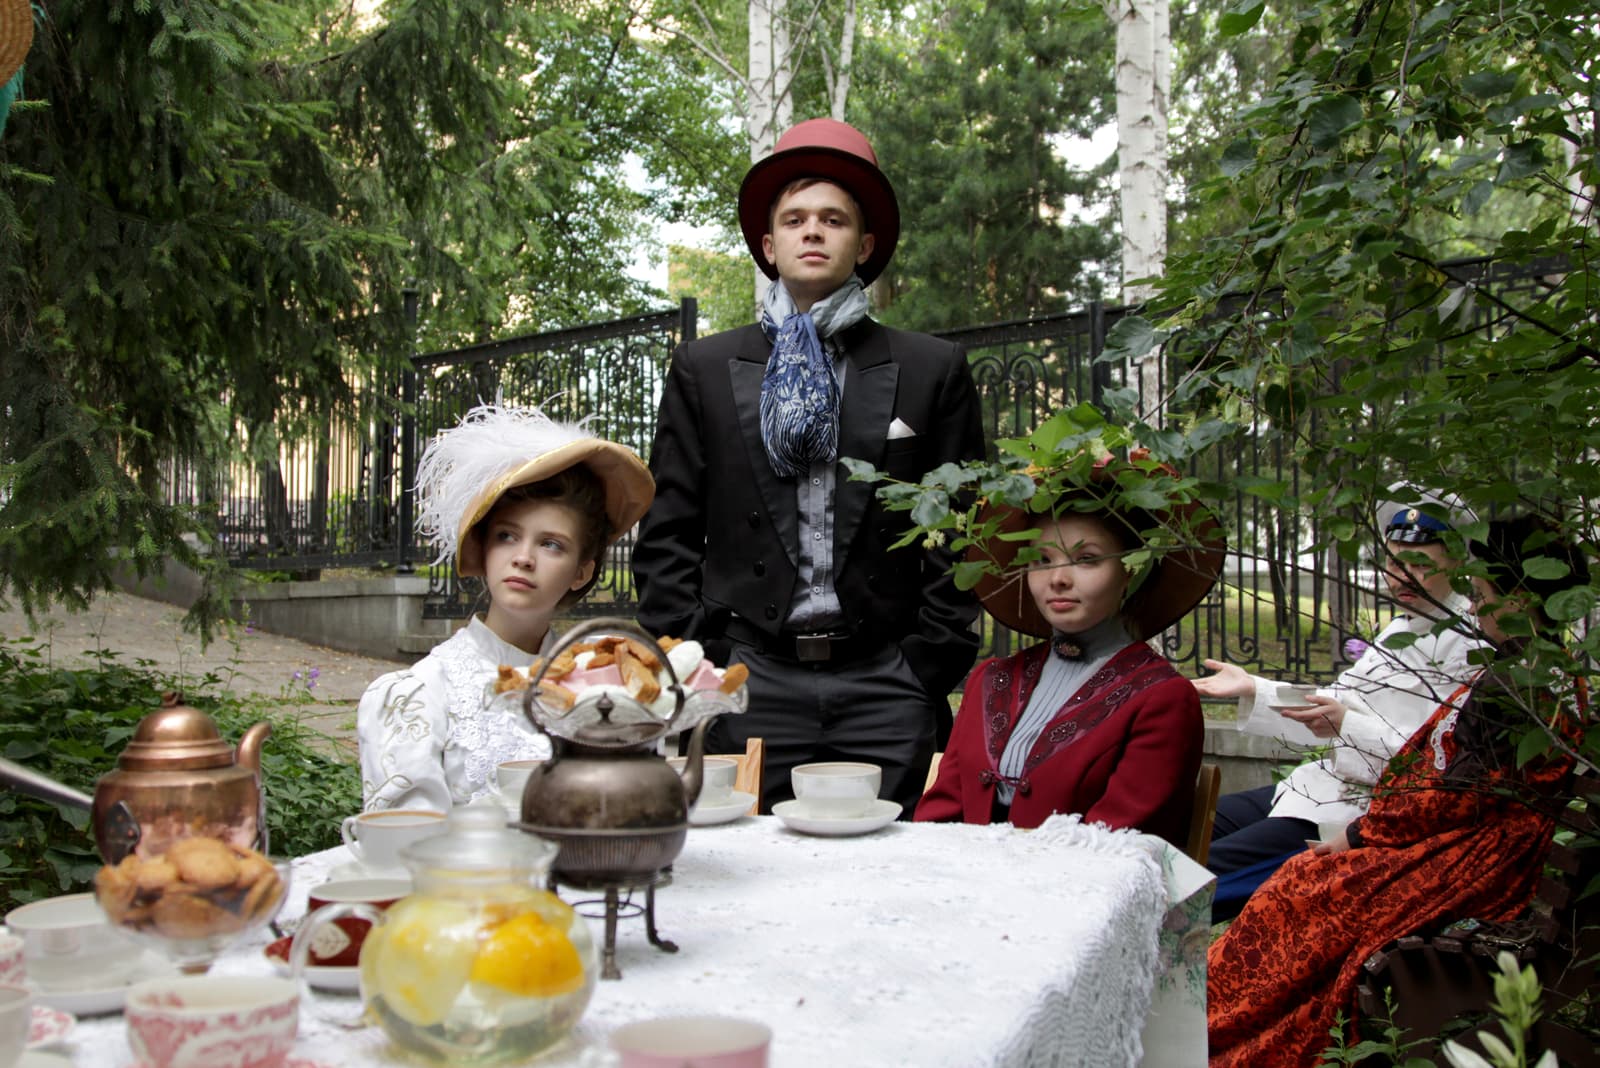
{"x": 345, "y": 499}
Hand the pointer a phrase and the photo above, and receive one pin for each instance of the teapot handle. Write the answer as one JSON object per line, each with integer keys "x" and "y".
{"x": 598, "y": 625}
{"x": 300, "y": 948}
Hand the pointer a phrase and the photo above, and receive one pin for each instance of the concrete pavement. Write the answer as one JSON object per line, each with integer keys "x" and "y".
{"x": 247, "y": 660}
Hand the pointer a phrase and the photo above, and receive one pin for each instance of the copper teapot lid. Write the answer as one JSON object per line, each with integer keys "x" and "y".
{"x": 176, "y": 737}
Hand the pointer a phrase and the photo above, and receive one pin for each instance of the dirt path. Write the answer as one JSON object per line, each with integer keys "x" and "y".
{"x": 246, "y": 661}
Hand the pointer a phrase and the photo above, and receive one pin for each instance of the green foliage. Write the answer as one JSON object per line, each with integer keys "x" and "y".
{"x": 72, "y": 723}
{"x": 1387, "y": 1046}
{"x": 1516, "y": 1002}
{"x": 966, "y": 105}
{"x": 720, "y": 283}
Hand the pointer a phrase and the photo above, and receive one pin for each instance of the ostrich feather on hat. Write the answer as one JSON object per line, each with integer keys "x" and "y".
{"x": 497, "y": 447}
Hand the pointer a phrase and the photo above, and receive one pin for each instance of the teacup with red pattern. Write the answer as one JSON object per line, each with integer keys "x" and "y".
{"x": 13, "y": 962}
{"x": 338, "y": 944}
{"x": 212, "y": 1021}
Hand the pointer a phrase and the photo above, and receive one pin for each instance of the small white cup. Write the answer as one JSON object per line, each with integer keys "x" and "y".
{"x": 16, "y": 1017}
{"x": 376, "y": 838}
{"x": 704, "y": 1041}
{"x": 1293, "y": 696}
{"x": 69, "y": 944}
{"x": 510, "y": 776}
{"x": 837, "y": 789}
{"x": 717, "y": 775}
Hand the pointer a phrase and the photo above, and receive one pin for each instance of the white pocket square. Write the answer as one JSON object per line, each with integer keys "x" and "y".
{"x": 898, "y": 429}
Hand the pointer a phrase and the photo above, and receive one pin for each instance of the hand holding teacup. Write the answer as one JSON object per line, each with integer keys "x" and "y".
{"x": 1322, "y": 716}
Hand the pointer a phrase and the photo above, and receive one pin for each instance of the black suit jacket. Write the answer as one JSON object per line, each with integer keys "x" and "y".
{"x": 720, "y": 539}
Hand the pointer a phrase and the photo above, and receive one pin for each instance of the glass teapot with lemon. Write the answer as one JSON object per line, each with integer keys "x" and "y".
{"x": 480, "y": 965}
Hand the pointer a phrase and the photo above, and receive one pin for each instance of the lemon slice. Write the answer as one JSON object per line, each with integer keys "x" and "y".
{"x": 423, "y": 958}
{"x": 528, "y": 957}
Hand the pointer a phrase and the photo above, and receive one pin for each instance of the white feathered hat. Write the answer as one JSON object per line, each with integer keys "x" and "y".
{"x": 466, "y": 469}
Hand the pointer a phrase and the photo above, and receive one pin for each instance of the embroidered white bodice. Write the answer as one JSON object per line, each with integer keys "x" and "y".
{"x": 430, "y": 739}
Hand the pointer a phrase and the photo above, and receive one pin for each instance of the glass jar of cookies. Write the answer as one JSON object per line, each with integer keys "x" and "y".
{"x": 195, "y": 898}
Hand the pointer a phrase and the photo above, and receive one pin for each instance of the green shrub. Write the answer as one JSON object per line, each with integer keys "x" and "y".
{"x": 72, "y": 723}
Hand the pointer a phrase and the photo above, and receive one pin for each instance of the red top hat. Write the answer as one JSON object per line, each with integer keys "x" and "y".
{"x": 834, "y": 152}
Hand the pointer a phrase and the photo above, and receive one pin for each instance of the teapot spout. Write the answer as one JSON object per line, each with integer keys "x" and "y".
{"x": 248, "y": 754}
{"x": 694, "y": 763}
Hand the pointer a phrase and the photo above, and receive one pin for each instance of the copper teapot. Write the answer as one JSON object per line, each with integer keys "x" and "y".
{"x": 176, "y": 779}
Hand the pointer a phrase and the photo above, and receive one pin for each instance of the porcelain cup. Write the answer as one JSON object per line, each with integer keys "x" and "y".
{"x": 703, "y": 1041}
{"x": 510, "y": 776}
{"x": 16, "y": 1016}
{"x": 212, "y": 1021}
{"x": 838, "y": 789}
{"x": 13, "y": 962}
{"x": 717, "y": 776}
{"x": 69, "y": 944}
{"x": 376, "y": 838}
{"x": 338, "y": 944}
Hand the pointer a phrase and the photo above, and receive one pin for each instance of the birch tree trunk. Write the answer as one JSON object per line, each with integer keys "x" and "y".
{"x": 1144, "y": 80}
{"x": 838, "y": 78}
{"x": 769, "y": 104}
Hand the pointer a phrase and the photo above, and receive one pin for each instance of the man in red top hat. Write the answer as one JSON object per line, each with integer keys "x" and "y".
{"x": 758, "y": 545}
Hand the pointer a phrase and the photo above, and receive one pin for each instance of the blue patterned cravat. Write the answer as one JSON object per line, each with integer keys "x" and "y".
{"x": 799, "y": 395}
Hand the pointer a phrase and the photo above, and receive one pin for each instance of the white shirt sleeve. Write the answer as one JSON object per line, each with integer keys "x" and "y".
{"x": 402, "y": 724}
{"x": 1390, "y": 693}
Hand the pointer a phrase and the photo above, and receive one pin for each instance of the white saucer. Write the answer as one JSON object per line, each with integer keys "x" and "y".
{"x": 795, "y": 817}
{"x": 38, "y": 1058}
{"x": 354, "y": 869}
{"x": 105, "y": 999}
{"x": 737, "y": 804}
{"x": 335, "y": 980}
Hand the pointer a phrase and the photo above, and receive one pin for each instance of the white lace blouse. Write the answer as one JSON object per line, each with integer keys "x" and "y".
{"x": 427, "y": 738}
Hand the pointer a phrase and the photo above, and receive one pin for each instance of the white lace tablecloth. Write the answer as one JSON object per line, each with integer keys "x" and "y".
{"x": 923, "y": 945}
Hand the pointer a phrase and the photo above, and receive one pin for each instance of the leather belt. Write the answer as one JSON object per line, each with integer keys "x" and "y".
{"x": 829, "y": 647}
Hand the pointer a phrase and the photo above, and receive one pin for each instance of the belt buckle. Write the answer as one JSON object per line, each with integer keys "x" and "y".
{"x": 813, "y": 648}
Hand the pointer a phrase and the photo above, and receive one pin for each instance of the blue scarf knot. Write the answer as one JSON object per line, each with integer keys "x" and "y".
{"x": 799, "y": 394}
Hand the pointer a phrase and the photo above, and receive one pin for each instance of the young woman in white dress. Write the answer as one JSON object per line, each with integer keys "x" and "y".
{"x": 529, "y": 505}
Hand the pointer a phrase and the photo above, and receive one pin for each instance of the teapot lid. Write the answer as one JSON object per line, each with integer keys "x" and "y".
{"x": 175, "y": 737}
{"x": 477, "y": 840}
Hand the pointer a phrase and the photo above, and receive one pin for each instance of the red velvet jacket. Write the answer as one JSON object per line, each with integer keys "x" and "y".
{"x": 1123, "y": 751}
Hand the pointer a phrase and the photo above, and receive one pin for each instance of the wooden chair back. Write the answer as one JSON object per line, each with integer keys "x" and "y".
{"x": 747, "y": 780}
{"x": 1207, "y": 787}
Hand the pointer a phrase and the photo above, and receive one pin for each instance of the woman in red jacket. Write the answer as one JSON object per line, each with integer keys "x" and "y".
{"x": 1092, "y": 721}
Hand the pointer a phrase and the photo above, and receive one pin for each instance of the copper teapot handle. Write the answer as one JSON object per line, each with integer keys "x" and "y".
{"x": 598, "y": 625}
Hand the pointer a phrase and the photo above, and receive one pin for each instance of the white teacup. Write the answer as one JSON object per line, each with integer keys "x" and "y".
{"x": 69, "y": 944}
{"x": 705, "y": 1041}
{"x": 510, "y": 776}
{"x": 838, "y": 789}
{"x": 717, "y": 775}
{"x": 376, "y": 838}
{"x": 16, "y": 1017}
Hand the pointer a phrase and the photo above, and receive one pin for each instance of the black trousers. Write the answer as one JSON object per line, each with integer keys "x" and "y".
{"x": 870, "y": 709}
{"x": 1244, "y": 834}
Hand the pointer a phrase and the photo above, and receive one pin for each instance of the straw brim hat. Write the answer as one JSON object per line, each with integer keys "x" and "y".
{"x": 628, "y": 484}
{"x": 835, "y": 152}
{"x": 1180, "y": 580}
{"x": 16, "y": 36}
